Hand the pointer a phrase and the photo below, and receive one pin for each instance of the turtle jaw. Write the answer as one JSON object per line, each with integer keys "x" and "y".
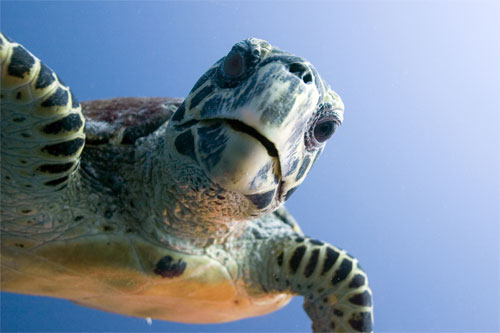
{"x": 271, "y": 150}
{"x": 237, "y": 157}
{"x": 240, "y": 126}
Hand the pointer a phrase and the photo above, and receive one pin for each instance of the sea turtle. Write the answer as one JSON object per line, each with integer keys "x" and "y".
{"x": 169, "y": 208}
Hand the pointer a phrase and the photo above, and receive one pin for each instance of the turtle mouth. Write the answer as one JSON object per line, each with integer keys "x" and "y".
{"x": 240, "y": 126}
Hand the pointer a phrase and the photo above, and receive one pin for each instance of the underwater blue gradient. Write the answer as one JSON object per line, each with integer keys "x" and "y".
{"x": 410, "y": 182}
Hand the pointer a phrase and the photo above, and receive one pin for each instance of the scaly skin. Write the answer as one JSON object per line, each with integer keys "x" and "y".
{"x": 181, "y": 220}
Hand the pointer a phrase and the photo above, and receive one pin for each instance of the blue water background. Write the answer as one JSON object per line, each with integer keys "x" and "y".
{"x": 410, "y": 182}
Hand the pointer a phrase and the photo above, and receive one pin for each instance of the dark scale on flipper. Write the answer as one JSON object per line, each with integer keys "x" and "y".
{"x": 56, "y": 182}
{"x": 167, "y": 267}
{"x": 20, "y": 63}
{"x": 70, "y": 123}
{"x": 297, "y": 258}
{"x": 279, "y": 260}
{"x": 261, "y": 200}
{"x": 312, "y": 263}
{"x": 361, "y": 322}
{"x": 338, "y": 313}
{"x": 342, "y": 272}
{"x": 45, "y": 77}
{"x": 303, "y": 168}
{"x": 184, "y": 143}
{"x": 67, "y": 148}
{"x": 74, "y": 101}
{"x": 330, "y": 259}
{"x": 357, "y": 281}
{"x": 18, "y": 119}
{"x": 332, "y": 325}
{"x": 58, "y": 98}
{"x": 363, "y": 299}
{"x": 299, "y": 239}
{"x": 55, "y": 168}
{"x": 19, "y": 95}
{"x": 316, "y": 242}
{"x": 201, "y": 95}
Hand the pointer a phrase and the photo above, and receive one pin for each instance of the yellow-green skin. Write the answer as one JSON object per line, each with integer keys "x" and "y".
{"x": 155, "y": 228}
{"x": 114, "y": 273}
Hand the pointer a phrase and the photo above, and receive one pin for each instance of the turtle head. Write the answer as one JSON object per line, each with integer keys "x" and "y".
{"x": 255, "y": 122}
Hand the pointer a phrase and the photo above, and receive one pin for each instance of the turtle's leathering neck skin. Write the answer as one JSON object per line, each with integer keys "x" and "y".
{"x": 170, "y": 208}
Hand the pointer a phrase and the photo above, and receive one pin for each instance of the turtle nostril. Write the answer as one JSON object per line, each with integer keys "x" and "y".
{"x": 307, "y": 78}
{"x": 301, "y": 71}
{"x": 297, "y": 69}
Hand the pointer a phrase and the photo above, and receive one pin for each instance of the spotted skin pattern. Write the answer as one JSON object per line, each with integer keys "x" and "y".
{"x": 335, "y": 289}
{"x": 175, "y": 215}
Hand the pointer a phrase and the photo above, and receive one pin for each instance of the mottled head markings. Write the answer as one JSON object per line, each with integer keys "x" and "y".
{"x": 290, "y": 192}
{"x": 303, "y": 168}
{"x": 167, "y": 267}
{"x": 184, "y": 143}
{"x": 256, "y": 97}
{"x": 211, "y": 144}
{"x": 179, "y": 113}
{"x": 261, "y": 200}
{"x": 201, "y": 95}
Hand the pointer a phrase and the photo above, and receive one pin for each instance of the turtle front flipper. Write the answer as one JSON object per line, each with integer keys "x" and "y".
{"x": 337, "y": 297}
{"x": 41, "y": 132}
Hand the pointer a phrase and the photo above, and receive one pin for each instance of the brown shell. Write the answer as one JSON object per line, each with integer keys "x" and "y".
{"x": 123, "y": 120}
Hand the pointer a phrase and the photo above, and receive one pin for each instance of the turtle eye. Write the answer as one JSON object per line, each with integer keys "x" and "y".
{"x": 320, "y": 131}
{"x": 324, "y": 129}
{"x": 233, "y": 65}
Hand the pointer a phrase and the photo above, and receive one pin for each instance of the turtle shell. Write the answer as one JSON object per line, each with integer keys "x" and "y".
{"x": 123, "y": 120}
